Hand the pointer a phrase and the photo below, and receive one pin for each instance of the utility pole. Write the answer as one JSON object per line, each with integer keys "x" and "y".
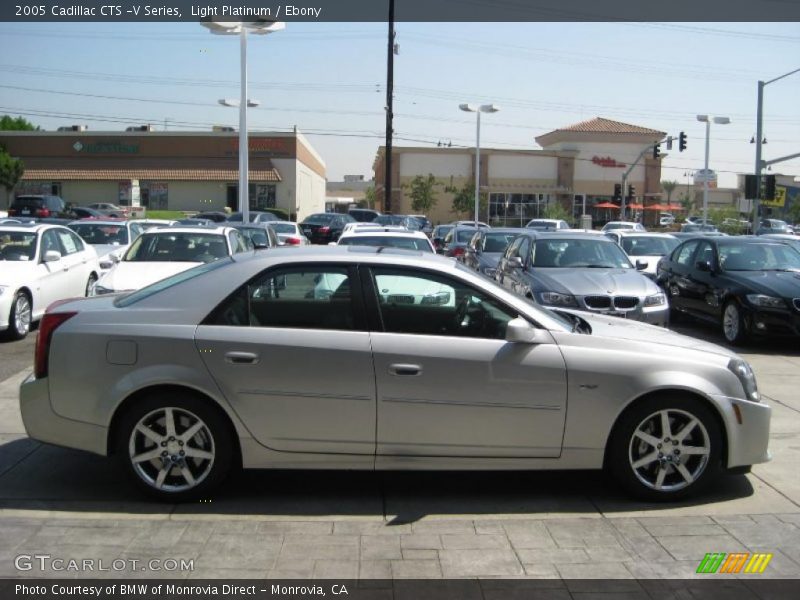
{"x": 625, "y": 180}
{"x": 387, "y": 182}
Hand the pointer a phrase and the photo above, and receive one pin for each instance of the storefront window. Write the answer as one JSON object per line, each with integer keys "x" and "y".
{"x": 154, "y": 195}
{"x": 515, "y": 210}
{"x": 262, "y": 196}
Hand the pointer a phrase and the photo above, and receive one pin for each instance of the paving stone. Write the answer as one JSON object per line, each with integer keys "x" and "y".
{"x": 647, "y": 548}
{"x": 456, "y": 541}
{"x": 217, "y": 573}
{"x": 416, "y": 569}
{"x": 420, "y": 554}
{"x": 628, "y": 527}
{"x": 478, "y": 563}
{"x": 531, "y": 540}
{"x": 612, "y": 553}
{"x": 375, "y": 569}
{"x": 692, "y": 547}
{"x": 421, "y": 541}
{"x": 443, "y": 526}
{"x": 240, "y": 551}
{"x": 764, "y": 534}
{"x": 336, "y": 569}
{"x": 370, "y": 528}
{"x": 307, "y": 527}
{"x": 536, "y": 556}
{"x": 380, "y": 547}
{"x": 594, "y": 570}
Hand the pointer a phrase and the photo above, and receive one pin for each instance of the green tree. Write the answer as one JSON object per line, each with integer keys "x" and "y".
{"x": 423, "y": 193}
{"x": 669, "y": 187}
{"x": 556, "y": 210}
{"x": 464, "y": 200}
{"x": 9, "y": 123}
{"x": 11, "y": 170}
{"x": 370, "y": 197}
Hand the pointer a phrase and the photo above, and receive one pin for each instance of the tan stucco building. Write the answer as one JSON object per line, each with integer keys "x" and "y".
{"x": 186, "y": 171}
{"x": 581, "y": 161}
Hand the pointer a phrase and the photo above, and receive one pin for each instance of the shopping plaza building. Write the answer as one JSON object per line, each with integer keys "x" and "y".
{"x": 577, "y": 164}
{"x": 165, "y": 170}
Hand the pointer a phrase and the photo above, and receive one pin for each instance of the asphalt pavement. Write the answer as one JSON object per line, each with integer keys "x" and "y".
{"x": 313, "y": 524}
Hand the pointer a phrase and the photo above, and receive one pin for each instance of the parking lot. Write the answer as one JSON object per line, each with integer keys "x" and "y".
{"x": 296, "y": 524}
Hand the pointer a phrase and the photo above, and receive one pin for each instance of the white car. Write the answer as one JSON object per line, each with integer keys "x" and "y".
{"x": 628, "y": 225}
{"x": 110, "y": 237}
{"x": 40, "y": 264}
{"x": 548, "y": 224}
{"x": 289, "y": 233}
{"x": 392, "y": 237}
{"x": 162, "y": 252}
{"x": 146, "y": 224}
{"x": 643, "y": 247}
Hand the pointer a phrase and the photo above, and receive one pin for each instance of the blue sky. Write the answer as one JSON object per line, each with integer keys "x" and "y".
{"x": 329, "y": 80}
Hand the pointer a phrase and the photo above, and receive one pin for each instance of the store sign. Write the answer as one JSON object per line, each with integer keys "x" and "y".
{"x": 608, "y": 162}
{"x": 264, "y": 147}
{"x": 106, "y": 148}
{"x": 780, "y": 198}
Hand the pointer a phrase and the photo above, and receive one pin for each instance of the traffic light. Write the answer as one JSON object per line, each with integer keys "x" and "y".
{"x": 656, "y": 151}
{"x": 750, "y": 186}
{"x": 682, "y": 141}
{"x": 769, "y": 187}
{"x": 631, "y": 191}
{"x": 617, "y": 191}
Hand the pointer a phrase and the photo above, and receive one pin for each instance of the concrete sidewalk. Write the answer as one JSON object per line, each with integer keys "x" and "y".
{"x": 71, "y": 505}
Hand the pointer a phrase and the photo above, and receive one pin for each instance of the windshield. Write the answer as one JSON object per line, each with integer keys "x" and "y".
{"x": 758, "y": 257}
{"x": 389, "y": 220}
{"x": 100, "y": 234}
{"x": 497, "y": 241}
{"x": 649, "y": 246}
{"x": 177, "y": 247}
{"x": 283, "y": 227}
{"x": 319, "y": 219}
{"x": 17, "y": 245}
{"x": 577, "y": 253}
{"x": 408, "y": 243}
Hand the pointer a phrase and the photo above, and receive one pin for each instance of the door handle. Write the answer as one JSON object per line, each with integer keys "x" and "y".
{"x": 404, "y": 369}
{"x": 241, "y": 358}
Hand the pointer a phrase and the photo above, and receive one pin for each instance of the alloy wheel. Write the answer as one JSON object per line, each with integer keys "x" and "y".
{"x": 171, "y": 449}
{"x": 731, "y": 323}
{"x": 22, "y": 315}
{"x": 669, "y": 450}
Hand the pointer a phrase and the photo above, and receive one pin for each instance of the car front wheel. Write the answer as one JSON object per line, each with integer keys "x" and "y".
{"x": 19, "y": 318}
{"x": 733, "y": 327}
{"x": 665, "y": 448}
{"x": 175, "y": 447}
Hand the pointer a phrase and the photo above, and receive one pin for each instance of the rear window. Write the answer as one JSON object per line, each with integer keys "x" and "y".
{"x": 27, "y": 202}
{"x": 320, "y": 218}
{"x": 364, "y": 216}
{"x": 283, "y": 227}
{"x": 408, "y": 243}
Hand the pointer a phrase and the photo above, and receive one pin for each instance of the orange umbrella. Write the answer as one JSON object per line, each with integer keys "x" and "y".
{"x": 661, "y": 207}
{"x": 674, "y": 207}
{"x": 606, "y": 205}
{"x": 635, "y": 206}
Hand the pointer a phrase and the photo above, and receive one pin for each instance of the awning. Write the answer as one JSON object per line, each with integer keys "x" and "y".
{"x": 232, "y": 175}
{"x": 606, "y": 205}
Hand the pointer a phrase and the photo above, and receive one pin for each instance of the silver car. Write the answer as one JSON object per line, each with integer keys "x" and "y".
{"x": 412, "y": 362}
{"x": 581, "y": 270}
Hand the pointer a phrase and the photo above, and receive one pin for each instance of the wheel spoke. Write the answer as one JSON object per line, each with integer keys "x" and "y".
{"x": 187, "y": 475}
{"x": 169, "y": 422}
{"x": 665, "y": 428}
{"x": 162, "y": 475}
{"x": 662, "y": 474}
{"x": 197, "y": 453}
{"x": 149, "y": 434}
{"x": 694, "y": 450}
{"x": 145, "y": 456}
{"x": 190, "y": 433}
{"x": 687, "y": 429}
{"x": 688, "y": 477}
{"x": 645, "y": 460}
{"x": 646, "y": 437}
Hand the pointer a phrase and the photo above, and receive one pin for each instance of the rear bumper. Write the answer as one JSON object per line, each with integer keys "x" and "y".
{"x": 44, "y": 425}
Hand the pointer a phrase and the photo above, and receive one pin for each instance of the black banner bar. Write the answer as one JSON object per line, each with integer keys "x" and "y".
{"x": 406, "y": 10}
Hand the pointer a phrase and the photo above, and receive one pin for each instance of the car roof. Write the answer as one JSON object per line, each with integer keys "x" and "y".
{"x": 383, "y": 232}
{"x": 567, "y": 234}
{"x": 219, "y": 230}
{"x": 631, "y": 233}
{"x": 29, "y": 226}
{"x": 103, "y": 221}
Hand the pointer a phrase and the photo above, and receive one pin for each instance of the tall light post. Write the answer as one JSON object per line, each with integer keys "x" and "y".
{"x": 483, "y": 108}
{"x": 241, "y": 28}
{"x": 707, "y": 120}
{"x": 759, "y": 140}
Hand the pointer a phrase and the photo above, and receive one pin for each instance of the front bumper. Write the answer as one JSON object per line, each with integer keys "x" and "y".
{"x": 44, "y": 425}
{"x": 773, "y": 322}
{"x": 748, "y": 436}
{"x": 653, "y": 315}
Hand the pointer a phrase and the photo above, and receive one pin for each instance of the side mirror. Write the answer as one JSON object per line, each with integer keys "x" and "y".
{"x": 704, "y": 266}
{"x": 641, "y": 265}
{"x": 515, "y": 262}
{"x": 520, "y": 331}
{"x": 51, "y": 256}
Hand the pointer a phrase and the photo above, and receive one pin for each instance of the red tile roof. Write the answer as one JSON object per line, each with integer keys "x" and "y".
{"x": 271, "y": 175}
{"x": 601, "y": 125}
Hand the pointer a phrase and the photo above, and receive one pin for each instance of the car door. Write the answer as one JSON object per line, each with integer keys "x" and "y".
{"x": 706, "y": 302}
{"x": 296, "y": 365}
{"x": 74, "y": 263}
{"x": 509, "y": 271}
{"x": 54, "y": 278}
{"x": 448, "y": 383}
{"x": 678, "y": 275}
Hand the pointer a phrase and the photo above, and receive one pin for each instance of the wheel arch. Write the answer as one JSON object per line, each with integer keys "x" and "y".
{"x": 128, "y": 403}
{"x": 666, "y": 393}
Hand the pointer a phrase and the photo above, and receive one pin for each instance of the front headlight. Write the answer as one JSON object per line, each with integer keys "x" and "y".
{"x": 556, "y": 299}
{"x": 765, "y": 301}
{"x": 655, "y": 300}
{"x": 489, "y": 271}
{"x": 744, "y": 373}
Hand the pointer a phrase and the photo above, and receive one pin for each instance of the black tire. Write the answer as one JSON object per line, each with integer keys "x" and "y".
{"x": 19, "y": 328}
{"x": 626, "y": 448}
{"x": 89, "y": 283}
{"x": 733, "y": 326}
{"x": 215, "y": 436}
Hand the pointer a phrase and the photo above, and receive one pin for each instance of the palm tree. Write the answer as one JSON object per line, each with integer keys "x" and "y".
{"x": 669, "y": 187}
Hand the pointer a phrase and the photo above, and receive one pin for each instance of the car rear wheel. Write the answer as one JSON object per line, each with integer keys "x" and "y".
{"x": 175, "y": 447}
{"x": 665, "y": 448}
{"x": 733, "y": 327}
{"x": 19, "y": 318}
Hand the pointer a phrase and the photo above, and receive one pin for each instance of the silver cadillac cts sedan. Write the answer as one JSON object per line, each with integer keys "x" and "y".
{"x": 373, "y": 358}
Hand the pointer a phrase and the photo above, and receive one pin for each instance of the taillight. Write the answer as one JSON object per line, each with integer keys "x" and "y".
{"x": 292, "y": 241}
{"x": 49, "y": 323}
{"x": 458, "y": 251}
{"x": 324, "y": 229}
{"x": 42, "y": 212}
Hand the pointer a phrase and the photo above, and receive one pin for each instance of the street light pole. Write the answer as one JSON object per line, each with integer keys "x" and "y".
{"x": 707, "y": 120}
{"x": 485, "y": 108}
